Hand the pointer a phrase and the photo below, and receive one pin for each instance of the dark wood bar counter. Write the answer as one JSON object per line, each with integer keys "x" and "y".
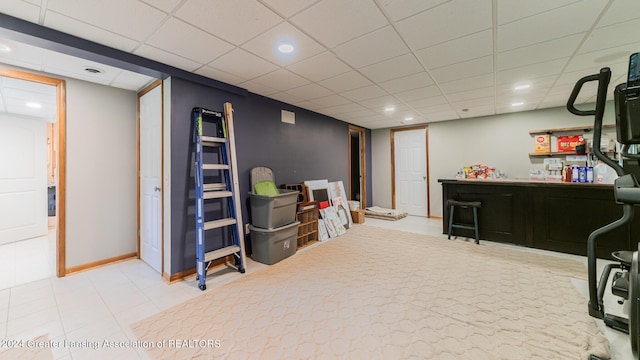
{"x": 544, "y": 215}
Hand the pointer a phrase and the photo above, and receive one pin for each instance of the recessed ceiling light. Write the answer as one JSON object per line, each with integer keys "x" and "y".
{"x": 408, "y": 118}
{"x": 4, "y": 48}
{"x": 389, "y": 108}
{"x": 520, "y": 103}
{"x": 522, "y": 87}
{"x": 33, "y": 105}
{"x": 286, "y": 48}
{"x": 93, "y": 70}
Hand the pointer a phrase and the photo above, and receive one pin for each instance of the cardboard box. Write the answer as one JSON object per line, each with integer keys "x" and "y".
{"x": 357, "y": 216}
{"x": 568, "y": 143}
{"x": 542, "y": 143}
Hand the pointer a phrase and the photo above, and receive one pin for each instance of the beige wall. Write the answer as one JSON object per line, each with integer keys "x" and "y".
{"x": 101, "y": 172}
{"x": 501, "y": 141}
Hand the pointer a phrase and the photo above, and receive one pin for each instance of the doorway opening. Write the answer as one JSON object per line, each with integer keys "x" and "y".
{"x": 357, "y": 166}
{"x": 410, "y": 170}
{"x": 55, "y": 170}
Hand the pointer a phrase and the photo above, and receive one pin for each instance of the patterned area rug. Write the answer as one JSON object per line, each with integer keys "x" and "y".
{"x": 384, "y": 294}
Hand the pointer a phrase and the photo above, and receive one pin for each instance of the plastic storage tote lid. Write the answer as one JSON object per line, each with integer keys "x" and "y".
{"x": 266, "y": 188}
{"x": 260, "y": 173}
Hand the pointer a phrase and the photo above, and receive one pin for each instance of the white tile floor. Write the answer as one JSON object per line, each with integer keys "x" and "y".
{"x": 101, "y": 304}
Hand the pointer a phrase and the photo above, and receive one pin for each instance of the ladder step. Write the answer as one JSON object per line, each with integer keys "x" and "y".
{"x": 212, "y": 141}
{"x": 215, "y": 167}
{"x": 214, "y": 186}
{"x": 216, "y": 194}
{"x": 217, "y": 254}
{"x": 219, "y": 223}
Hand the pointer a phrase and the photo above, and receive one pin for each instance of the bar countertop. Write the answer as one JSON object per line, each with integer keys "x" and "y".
{"x": 523, "y": 182}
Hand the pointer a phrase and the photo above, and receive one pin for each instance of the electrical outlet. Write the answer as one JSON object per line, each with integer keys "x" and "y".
{"x": 246, "y": 228}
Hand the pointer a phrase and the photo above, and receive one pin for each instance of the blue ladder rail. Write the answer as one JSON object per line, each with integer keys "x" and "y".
{"x": 221, "y": 191}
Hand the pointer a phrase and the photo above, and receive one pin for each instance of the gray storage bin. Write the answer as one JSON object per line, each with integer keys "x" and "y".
{"x": 271, "y": 246}
{"x": 270, "y": 212}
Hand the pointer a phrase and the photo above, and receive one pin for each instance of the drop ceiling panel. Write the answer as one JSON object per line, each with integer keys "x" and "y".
{"x": 392, "y": 69}
{"x": 367, "y": 92}
{"x": 568, "y": 20}
{"x": 258, "y": 88}
{"x": 526, "y": 73}
{"x": 72, "y": 26}
{"x": 164, "y": 57}
{"x": 509, "y": 10}
{"x": 379, "y": 103}
{"x": 131, "y": 81}
{"x": 472, "y": 94}
{"x": 474, "y": 82}
{"x": 464, "y": 70}
{"x": 281, "y": 80}
{"x": 244, "y": 64}
{"x": 484, "y": 110}
{"x": 620, "y": 11}
{"x": 234, "y": 21}
{"x": 21, "y": 9}
{"x": 546, "y": 51}
{"x": 171, "y": 38}
{"x": 446, "y": 22}
{"x": 288, "y": 7}
{"x": 407, "y": 83}
{"x": 266, "y": 45}
{"x": 331, "y": 100}
{"x": 133, "y": 19}
{"x": 319, "y": 67}
{"x": 345, "y": 82}
{"x": 164, "y": 5}
{"x": 310, "y": 91}
{"x": 333, "y": 22}
{"x": 609, "y": 36}
{"x": 459, "y": 50}
{"x": 400, "y": 9}
{"x": 427, "y": 102}
{"x": 365, "y": 50}
{"x": 421, "y": 93}
{"x": 220, "y": 75}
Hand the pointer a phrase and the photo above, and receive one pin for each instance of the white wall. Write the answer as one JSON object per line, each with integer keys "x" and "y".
{"x": 101, "y": 173}
{"x": 500, "y": 141}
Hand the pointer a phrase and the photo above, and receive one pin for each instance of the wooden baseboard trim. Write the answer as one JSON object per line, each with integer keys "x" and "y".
{"x": 435, "y": 217}
{"x": 100, "y": 263}
{"x": 179, "y": 276}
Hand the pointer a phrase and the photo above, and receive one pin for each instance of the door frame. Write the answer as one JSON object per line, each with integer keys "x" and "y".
{"x": 61, "y": 185}
{"x": 363, "y": 163}
{"x": 141, "y": 93}
{"x": 393, "y": 163}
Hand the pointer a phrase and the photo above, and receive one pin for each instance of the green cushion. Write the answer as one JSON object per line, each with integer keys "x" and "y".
{"x": 267, "y": 188}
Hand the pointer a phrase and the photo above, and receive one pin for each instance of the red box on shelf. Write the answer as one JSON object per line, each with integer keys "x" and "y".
{"x": 568, "y": 143}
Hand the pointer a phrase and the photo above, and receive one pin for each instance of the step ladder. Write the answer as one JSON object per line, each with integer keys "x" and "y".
{"x": 225, "y": 168}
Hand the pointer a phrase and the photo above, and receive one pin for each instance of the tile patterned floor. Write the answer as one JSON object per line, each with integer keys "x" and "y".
{"x": 102, "y": 303}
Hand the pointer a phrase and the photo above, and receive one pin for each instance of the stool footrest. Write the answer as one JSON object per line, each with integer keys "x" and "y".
{"x": 470, "y": 227}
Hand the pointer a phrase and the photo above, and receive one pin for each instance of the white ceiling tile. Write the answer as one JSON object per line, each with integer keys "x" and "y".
{"x": 133, "y": 19}
{"x": 474, "y": 82}
{"x": 392, "y": 69}
{"x": 89, "y": 32}
{"x": 552, "y": 102}
{"x": 509, "y": 10}
{"x": 266, "y": 45}
{"x": 572, "y": 19}
{"x": 171, "y": 38}
{"x": 131, "y": 81}
{"x": 441, "y": 116}
{"x": 234, "y": 21}
{"x": 426, "y": 102}
{"x": 319, "y": 67}
{"x": 462, "y": 49}
{"x": 281, "y": 80}
{"x": 164, "y": 5}
{"x": 244, "y": 64}
{"x": 345, "y": 82}
{"x": 477, "y": 111}
{"x": 609, "y": 37}
{"x": 434, "y": 109}
{"x": 421, "y": 93}
{"x": 21, "y": 9}
{"x": 529, "y": 72}
{"x": 164, "y": 57}
{"x": 379, "y": 103}
{"x": 367, "y": 92}
{"x": 619, "y": 11}
{"x": 220, "y": 75}
{"x": 463, "y": 70}
{"x": 333, "y": 22}
{"x": 407, "y": 83}
{"x": 310, "y": 91}
{"x": 365, "y": 50}
{"x": 593, "y": 61}
{"x": 258, "y": 88}
{"x": 549, "y": 50}
{"x": 400, "y": 9}
{"x": 307, "y": 105}
{"x": 471, "y": 94}
{"x": 472, "y": 103}
{"x": 286, "y": 97}
{"x": 331, "y": 100}
{"x": 288, "y": 7}
{"x": 446, "y": 22}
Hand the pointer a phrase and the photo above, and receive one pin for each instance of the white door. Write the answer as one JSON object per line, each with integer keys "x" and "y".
{"x": 411, "y": 171}
{"x": 23, "y": 178}
{"x": 150, "y": 178}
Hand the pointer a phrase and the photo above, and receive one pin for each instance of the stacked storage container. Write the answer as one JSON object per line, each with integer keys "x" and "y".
{"x": 273, "y": 227}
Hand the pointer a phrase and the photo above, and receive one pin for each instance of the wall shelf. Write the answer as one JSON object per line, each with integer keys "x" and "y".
{"x": 585, "y": 129}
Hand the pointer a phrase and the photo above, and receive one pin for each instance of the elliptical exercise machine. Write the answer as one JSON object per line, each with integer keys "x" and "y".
{"x": 626, "y": 282}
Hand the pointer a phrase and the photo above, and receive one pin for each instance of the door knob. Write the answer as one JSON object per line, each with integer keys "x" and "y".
{"x": 157, "y": 188}
{"x": 424, "y": 178}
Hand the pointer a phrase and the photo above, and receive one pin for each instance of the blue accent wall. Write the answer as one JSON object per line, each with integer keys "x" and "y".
{"x": 316, "y": 147}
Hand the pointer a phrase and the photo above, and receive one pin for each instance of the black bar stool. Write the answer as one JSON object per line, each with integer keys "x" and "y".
{"x": 475, "y": 205}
